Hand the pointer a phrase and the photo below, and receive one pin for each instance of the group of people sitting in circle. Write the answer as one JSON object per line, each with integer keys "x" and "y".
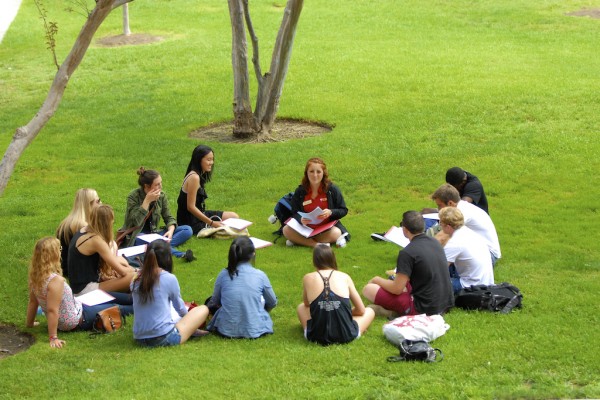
{"x": 429, "y": 270}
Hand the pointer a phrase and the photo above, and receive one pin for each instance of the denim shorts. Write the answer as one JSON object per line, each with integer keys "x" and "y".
{"x": 172, "y": 338}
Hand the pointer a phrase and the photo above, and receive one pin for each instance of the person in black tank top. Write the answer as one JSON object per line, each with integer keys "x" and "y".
{"x": 191, "y": 207}
{"x": 326, "y": 314}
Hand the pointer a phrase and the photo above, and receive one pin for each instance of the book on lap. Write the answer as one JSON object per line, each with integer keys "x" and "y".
{"x": 306, "y": 231}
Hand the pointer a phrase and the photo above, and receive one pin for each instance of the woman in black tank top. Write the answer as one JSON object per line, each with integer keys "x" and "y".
{"x": 326, "y": 314}
{"x": 191, "y": 207}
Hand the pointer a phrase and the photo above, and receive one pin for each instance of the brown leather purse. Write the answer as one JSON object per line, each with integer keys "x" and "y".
{"x": 109, "y": 320}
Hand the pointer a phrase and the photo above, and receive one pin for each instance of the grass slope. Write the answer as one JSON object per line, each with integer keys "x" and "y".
{"x": 507, "y": 90}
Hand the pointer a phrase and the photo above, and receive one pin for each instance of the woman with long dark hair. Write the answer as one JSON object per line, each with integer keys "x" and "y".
{"x": 326, "y": 313}
{"x": 191, "y": 207}
{"x": 243, "y": 295}
{"x": 317, "y": 190}
{"x": 154, "y": 290}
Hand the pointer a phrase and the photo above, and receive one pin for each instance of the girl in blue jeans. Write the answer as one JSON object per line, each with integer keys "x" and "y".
{"x": 154, "y": 290}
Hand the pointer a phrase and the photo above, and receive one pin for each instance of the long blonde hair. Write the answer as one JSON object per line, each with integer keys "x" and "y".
{"x": 79, "y": 215}
{"x": 101, "y": 222}
{"x": 45, "y": 261}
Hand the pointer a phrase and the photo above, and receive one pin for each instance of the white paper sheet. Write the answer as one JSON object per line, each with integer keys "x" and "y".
{"x": 312, "y": 215}
{"x": 237, "y": 223}
{"x": 95, "y": 297}
{"x": 259, "y": 243}
{"x": 132, "y": 251}
{"x": 151, "y": 237}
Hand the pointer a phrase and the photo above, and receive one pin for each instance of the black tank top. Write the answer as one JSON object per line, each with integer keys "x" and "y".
{"x": 331, "y": 318}
{"x": 184, "y": 217}
{"x": 82, "y": 269}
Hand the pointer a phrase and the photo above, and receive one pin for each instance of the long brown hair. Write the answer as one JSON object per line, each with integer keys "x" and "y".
{"x": 101, "y": 222}
{"x": 325, "y": 182}
{"x": 323, "y": 257}
{"x": 44, "y": 262}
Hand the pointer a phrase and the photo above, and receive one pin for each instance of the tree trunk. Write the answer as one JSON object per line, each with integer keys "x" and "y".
{"x": 282, "y": 52}
{"x": 26, "y": 134}
{"x": 126, "y": 30}
{"x": 243, "y": 124}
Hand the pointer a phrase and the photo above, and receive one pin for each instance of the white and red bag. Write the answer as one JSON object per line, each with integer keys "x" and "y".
{"x": 415, "y": 327}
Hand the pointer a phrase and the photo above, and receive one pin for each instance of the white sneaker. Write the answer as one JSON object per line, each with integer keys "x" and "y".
{"x": 341, "y": 241}
{"x": 289, "y": 243}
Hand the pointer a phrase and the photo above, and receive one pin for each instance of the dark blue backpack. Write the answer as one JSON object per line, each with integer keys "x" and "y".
{"x": 283, "y": 211}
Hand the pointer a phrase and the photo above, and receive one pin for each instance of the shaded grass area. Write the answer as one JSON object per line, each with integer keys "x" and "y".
{"x": 505, "y": 90}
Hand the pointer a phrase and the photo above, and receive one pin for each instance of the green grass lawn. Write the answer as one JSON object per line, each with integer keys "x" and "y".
{"x": 507, "y": 90}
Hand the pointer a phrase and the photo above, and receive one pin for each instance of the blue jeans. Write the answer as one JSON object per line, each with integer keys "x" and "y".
{"x": 494, "y": 260}
{"x": 181, "y": 235}
{"x": 172, "y": 338}
{"x": 454, "y": 279}
{"x": 89, "y": 312}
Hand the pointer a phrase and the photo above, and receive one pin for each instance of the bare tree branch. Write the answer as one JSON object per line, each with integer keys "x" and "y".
{"x": 119, "y": 3}
{"x": 254, "y": 39}
{"x": 282, "y": 53}
{"x": 26, "y": 134}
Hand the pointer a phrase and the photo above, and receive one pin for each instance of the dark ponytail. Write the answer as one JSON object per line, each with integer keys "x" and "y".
{"x": 158, "y": 255}
{"x": 241, "y": 250}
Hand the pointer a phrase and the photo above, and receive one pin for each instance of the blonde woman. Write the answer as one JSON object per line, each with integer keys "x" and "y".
{"x": 48, "y": 289}
{"x": 85, "y": 200}
{"x": 89, "y": 248}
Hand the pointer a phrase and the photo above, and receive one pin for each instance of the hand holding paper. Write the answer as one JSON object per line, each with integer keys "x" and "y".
{"x": 312, "y": 217}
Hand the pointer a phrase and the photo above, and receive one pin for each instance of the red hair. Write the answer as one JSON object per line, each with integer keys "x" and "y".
{"x": 325, "y": 182}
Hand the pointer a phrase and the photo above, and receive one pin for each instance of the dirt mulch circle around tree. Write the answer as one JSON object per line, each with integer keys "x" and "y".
{"x": 284, "y": 129}
{"x": 13, "y": 341}
{"x": 128, "y": 40}
{"x": 586, "y": 12}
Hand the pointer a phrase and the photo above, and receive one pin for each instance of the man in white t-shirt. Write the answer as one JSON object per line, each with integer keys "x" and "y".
{"x": 466, "y": 250}
{"x": 475, "y": 218}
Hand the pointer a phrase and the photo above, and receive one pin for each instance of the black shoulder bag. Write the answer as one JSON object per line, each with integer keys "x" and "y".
{"x": 417, "y": 350}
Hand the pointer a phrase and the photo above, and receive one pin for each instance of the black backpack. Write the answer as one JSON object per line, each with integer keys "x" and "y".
{"x": 503, "y": 298}
{"x": 283, "y": 211}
